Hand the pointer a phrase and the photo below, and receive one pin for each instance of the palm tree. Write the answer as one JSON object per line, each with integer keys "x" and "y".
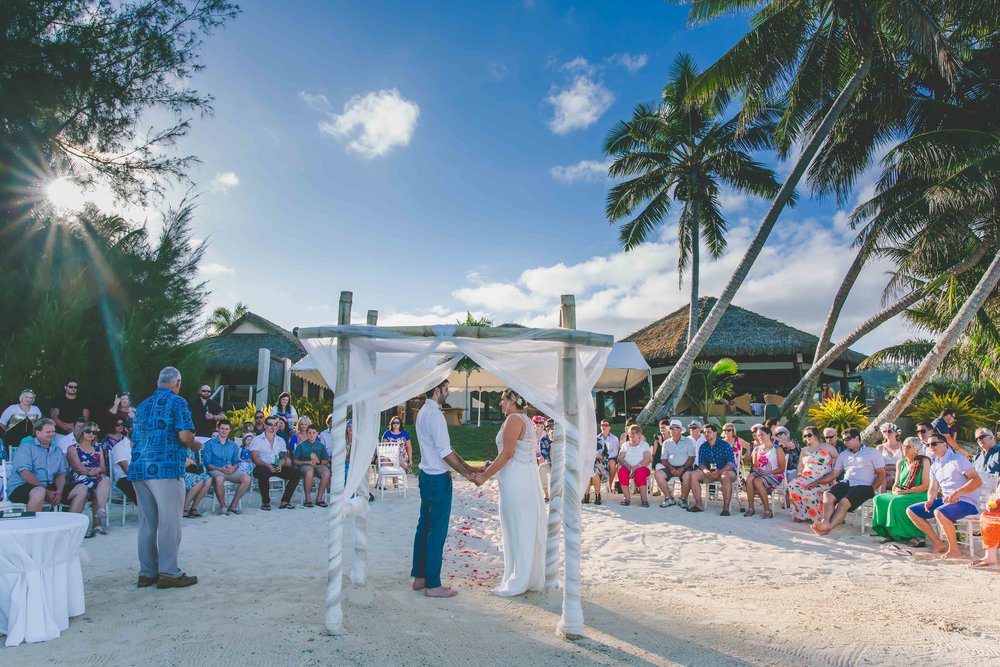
{"x": 681, "y": 151}
{"x": 711, "y": 382}
{"x": 815, "y": 55}
{"x": 222, "y": 317}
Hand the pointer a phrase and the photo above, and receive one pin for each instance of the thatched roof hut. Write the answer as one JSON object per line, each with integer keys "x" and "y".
{"x": 771, "y": 354}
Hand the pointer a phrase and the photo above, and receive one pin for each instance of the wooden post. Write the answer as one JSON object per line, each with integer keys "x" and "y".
{"x": 571, "y": 623}
{"x": 334, "y": 618}
{"x": 263, "y": 377}
{"x": 286, "y": 375}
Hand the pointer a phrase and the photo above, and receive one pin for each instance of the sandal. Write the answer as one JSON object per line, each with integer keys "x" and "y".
{"x": 266, "y": 508}
{"x": 749, "y": 513}
{"x": 886, "y": 540}
{"x": 308, "y": 505}
{"x": 645, "y": 503}
{"x": 193, "y": 514}
{"x": 89, "y": 533}
{"x": 625, "y": 502}
{"x": 768, "y": 515}
{"x": 286, "y": 506}
{"x": 322, "y": 504}
{"x": 917, "y": 543}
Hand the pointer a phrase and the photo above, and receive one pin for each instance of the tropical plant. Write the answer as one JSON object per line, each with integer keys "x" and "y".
{"x": 314, "y": 408}
{"x": 222, "y": 317}
{"x": 839, "y": 413}
{"x": 967, "y": 415}
{"x": 711, "y": 382}
{"x": 816, "y": 56}
{"x": 682, "y": 150}
{"x": 245, "y": 414}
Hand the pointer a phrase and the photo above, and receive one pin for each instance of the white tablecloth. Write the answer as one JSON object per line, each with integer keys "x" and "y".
{"x": 41, "y": 583}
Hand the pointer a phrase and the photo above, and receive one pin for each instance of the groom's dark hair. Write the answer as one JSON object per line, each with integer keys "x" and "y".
{"x": 430, "y": 392}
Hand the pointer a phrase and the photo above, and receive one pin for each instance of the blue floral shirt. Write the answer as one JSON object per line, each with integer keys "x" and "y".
{"x": 545, "y": 448}
{"x": 156, "y": 451}
{"x": 721, "y": 454}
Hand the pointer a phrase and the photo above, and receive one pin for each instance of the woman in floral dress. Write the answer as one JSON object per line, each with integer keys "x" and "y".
{"x": 86, "y": 461}
{"x": 817, "y": 459}
{"x": 196, "y": 484}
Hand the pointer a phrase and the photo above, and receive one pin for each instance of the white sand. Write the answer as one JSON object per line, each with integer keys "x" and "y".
{"x": 661, "y": 587}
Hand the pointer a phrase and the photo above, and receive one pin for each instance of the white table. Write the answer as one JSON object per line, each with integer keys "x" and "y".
{"x": 41, "y": 582}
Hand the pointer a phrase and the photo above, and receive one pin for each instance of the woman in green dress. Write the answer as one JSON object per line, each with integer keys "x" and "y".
{"x": 912, "y": 479}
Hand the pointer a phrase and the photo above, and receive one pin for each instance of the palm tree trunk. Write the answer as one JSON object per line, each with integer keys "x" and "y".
{"x": 683, "y": 367}
{"x": 839, "y": 299}
{"x": 941, "y": 349}
{"x": 693, "y": 310}
{"x": 869, "y": 325}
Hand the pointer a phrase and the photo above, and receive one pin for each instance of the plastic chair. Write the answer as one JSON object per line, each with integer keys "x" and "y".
{"x": 123, "y": 499}
{"x": 5, "y": 503}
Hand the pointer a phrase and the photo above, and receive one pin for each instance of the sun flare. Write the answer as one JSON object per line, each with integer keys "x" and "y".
{"x": 65, "y": 194}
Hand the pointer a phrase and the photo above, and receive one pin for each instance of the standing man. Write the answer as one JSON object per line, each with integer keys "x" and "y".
{"x": 205, "y": 412}
{"x": 161, "y": 431}
{"x": 437, "y": 459}
{"x": 947, "y": 425}
{"x": 68, "y": 408}
{"x": 222, "y": 458}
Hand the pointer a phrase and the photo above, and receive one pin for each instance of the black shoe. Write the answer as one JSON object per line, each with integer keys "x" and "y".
{"x": 598, "y": 501}
{"x": 586, "y": 498}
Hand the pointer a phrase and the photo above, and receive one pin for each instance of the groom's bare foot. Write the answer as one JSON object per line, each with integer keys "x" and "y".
{"x": 440, "y": 592}
{"x": 418, "y": 584}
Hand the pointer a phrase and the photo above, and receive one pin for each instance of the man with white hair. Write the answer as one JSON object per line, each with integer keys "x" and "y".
{"x": 987, "y": 461}
{"x": 160, "y": 433}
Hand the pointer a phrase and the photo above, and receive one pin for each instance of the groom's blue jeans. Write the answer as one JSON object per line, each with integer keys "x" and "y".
{"x": 432, "y": 527}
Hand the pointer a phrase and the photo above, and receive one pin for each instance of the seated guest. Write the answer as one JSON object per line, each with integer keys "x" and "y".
{"x": 987, "y": 460}
{"x": 716, "y": 463}
{"x": 816, "y": 461}
{"x": 88, "y": 465}
{"x": 222, "y": 459}
{"x": 270, "y": 458}
{"x": 953, "y": 495}
{"x": 120, "y": 410}
{"x": 196, "y": 484}
{"x": 634, "y": 457}
{"x": 864, "y": 471}
{"x": 258, "y": 422}
{"x": 695, "y": 432}
{"x": 600, "y": 473}
{"x": 312, "y": 460}
{"x": 741, "y": 448}
{"x": 64, "y": 441}
{"x": 39, "y": 473}
{"x": 891, "y": 450}
{"x": 246, "y": 462}
{"x": 609, "y": 441}
{"x": 913, "y": 475}
{"x": 767, "y": 472}
{"x": 676, "y": 461}
{"x": 109, "y": 441}
{"x": 792, "y": 449}
{"x": 121, "y": 457}
{"x": 830, "y": 437}
{"x": 300, "y": 433}
{"x": 657, "y": 452}
{"x": 924, "y": 432}
{"x": 989, "y": 528}
{"x": 396, "y": 434}
{"x": 247, "y": 428}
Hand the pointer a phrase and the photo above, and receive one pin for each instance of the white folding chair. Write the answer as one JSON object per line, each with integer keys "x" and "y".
{"x": 388, "y": 468}
{"x": 967, "y": 529}
{"x": 229, "y": 490}
{"x": 5, "y": 503}
{"x": 122, "y": 499}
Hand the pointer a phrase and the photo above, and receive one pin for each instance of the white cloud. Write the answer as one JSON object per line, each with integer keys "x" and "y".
{"x": 375, "y": 123}
{"x": 590, "y": 171}
{"x": 224, "y": 181}
{"x": 633, "y": 63}
{"x": 497, "y": 70}
{"x": 579, "y": 105}
{"x": 793, "y": 281}
{"x": 316, "y": 101}
{"x": 215, "y": 269}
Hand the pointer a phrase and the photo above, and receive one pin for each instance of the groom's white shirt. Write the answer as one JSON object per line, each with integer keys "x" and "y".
{"x": 433, "y": 438}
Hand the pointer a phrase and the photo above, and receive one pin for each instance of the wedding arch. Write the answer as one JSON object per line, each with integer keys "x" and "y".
{"x": 375, "y": 368}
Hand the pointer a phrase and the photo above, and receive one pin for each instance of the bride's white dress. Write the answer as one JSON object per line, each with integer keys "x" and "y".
{"x": 522, "y": 517}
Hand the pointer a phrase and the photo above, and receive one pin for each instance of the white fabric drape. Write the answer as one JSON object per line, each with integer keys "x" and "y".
{"x": 388, "y": 370}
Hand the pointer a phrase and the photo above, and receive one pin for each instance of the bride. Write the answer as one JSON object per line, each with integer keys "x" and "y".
{"x": 522, "y": 509}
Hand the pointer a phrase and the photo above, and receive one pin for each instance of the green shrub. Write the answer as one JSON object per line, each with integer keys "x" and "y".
{"x": 839, "y": 413}
{"x": 245, "y": 414}
{"x": 968, "y": 416}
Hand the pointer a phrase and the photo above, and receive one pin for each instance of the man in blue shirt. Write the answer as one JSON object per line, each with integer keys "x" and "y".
{"x": 987, "y": 461}
{"x": 160, "y": 432}
{"x": 947, "y": 426}
{"x": 40, "y": 471}
{"x": 716, "y": 464}
{"x": 222, "y": 458}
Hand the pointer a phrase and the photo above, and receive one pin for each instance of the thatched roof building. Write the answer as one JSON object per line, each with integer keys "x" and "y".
{"x": 771, "y": 355}
{"x": 232, "y": 355}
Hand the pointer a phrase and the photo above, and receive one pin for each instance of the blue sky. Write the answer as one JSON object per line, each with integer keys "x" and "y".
{"x": 440, "y": 157}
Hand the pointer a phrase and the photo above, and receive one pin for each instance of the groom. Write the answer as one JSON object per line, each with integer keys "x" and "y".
{"x": 436, "y": 456}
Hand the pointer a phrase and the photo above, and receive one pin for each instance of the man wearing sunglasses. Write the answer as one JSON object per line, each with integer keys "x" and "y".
{"x": 987, "y": 461}
{"x": 864, "y": 472}
{"x": 270, "y": 457}
{"x": 205, "y": 412}
{"x": 68, "y": 407}
{"x": 952, "y": 496}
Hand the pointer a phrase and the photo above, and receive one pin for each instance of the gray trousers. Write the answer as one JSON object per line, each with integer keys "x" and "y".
{"x": 161, "y": 502}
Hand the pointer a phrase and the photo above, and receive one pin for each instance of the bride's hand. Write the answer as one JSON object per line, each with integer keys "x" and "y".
{"x": 480, "y": 478}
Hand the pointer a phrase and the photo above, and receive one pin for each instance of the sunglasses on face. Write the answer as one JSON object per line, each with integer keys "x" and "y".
{"x": 921, "y": 430}
{"x": 117, "y": 424}
{"x": 727, "y": 430}
{"x": 269, "y": 424}
{"x": 830, "y": 437}
{"x": 90, "y": 431}
{"x": 983, "y": 436}
{"x": 72, "y": 386}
